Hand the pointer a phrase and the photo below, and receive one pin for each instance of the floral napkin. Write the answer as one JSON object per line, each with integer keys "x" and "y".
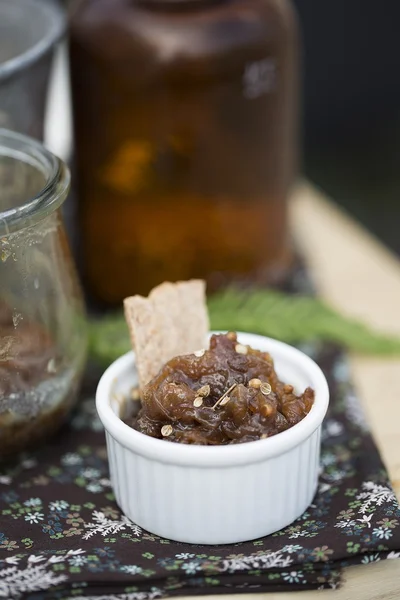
{"x": 63, "y": 536}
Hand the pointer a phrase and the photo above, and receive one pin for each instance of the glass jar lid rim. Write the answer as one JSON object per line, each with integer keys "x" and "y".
{"x": 57, "y": 181}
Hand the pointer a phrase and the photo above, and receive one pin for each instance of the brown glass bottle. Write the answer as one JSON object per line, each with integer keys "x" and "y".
{"x": 185, "y": 130}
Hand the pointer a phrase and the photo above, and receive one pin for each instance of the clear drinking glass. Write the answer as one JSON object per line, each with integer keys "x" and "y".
{"x": 43, "y": 335}
{"x": 29, "y": 29}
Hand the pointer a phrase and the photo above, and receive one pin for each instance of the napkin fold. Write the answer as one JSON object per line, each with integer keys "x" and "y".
{"x": 63, "y": 536}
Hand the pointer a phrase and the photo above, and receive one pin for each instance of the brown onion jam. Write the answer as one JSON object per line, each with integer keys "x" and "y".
{"x": 225, "y": 395}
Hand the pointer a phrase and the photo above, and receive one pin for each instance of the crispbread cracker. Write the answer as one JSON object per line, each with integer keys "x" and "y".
{"x": 171, "y": 321}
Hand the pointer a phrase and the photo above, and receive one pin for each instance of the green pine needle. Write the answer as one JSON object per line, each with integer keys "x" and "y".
{"x": 289, "y": 318}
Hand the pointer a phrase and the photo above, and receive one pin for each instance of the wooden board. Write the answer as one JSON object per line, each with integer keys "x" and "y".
{"x": 361, "y": 278}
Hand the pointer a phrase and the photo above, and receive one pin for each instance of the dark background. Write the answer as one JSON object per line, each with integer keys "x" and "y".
{"x": 351, "y": 107}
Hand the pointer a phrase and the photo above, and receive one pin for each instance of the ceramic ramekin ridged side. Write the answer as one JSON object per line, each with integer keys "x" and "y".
{"x": 214, "y": 505}
{"x": 215, "y": 495}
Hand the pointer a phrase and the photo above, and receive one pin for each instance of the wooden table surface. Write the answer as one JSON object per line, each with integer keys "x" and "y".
{"x": 358, "y": 276}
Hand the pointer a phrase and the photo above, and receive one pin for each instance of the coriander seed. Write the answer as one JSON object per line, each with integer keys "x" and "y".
{"x": 241, "y": 349}
{"x": 204, "y": 391}
{"x": 255, "y": 383}
{"x": 265, "y": 389}
{"x": 166, "y": 430}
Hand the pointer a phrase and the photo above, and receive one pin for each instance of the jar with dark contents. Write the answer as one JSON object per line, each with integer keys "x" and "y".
{"x": 42, "y": 323}
{"x": 185, "y": 131}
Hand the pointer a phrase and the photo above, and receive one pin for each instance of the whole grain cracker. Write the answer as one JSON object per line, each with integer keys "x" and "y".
{"x": 171, "y": 321}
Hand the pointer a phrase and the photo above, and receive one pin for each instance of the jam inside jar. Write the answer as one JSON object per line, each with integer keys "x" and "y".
{"x": 43, "y": 335}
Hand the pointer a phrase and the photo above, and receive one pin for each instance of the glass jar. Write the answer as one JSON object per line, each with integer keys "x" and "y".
{"x": 185, "y": 130}
{"x": 42, "y": 322}
{"x": 29, "y": 31}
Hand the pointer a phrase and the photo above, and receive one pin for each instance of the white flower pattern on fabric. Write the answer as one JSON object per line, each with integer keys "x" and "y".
{"x": 90, "y": 473}
{"x": 95, "y": 488}
{"x": 297, "y": 534}
{"x": 104, "y": 526}
{"x": 291, "y": 548}
{"x": 33, "y": 502}
{"x": 383, "y": 533}
{"x": 346, "y": 523}
{"x": 374, "y": 494}
{"x": 12, "y": 560}
{"x": 268, "y": 560}
{"x": 78, "y": 561}
{"x": 71, "y": 459}
{"x": 366, "y": 520}
{"x": 131, "y": 569}
{"x": 34, "y": 517}
{"x": 105, "y": 482}
{"x": 370, "y": 559}
{"x": 324, "y": 487}
{"x": 35, "y": 559}
{"x": 327, "y": 459}
{"x": 58, "y": 505}
{"x": 191, "y": 568}
{"x": 36, "y": 576}
{"x": 293, "y": 577}
{"x": 15, "y": 582}
{"x": 333, "y": 428}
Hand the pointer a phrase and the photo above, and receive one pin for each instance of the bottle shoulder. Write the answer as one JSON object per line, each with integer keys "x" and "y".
{"x": 119, "y": 29}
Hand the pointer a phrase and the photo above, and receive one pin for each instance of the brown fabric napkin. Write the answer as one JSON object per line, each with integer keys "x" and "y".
{"x": 62, "y": 535}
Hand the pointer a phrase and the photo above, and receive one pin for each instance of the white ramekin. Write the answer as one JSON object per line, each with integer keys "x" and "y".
{"x": 208, "y": 494}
